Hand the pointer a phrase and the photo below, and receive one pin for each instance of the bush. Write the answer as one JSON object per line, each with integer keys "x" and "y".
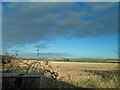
{"x": 6, "y": 59}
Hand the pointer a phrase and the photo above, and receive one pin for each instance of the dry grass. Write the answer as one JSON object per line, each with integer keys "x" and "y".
{"x": 75, "y": 73}
{"x": 80, "y": 74}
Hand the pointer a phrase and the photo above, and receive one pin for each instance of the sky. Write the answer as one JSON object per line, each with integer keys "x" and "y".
{"x": 60, "y": 30}
{"x": 0, "y": 28}
{"x": 60, "y": 0}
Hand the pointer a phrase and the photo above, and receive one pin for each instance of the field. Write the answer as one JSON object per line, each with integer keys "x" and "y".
{"x": 100, "y": 75}
{"x": 78, "y": 74}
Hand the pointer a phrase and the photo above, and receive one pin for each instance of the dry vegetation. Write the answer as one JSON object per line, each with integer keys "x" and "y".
{"x": 98, "y": 75}
{"x": 79, "y": 74}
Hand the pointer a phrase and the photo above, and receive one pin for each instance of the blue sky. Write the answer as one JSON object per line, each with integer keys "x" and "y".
{"x": 82, "y": 30}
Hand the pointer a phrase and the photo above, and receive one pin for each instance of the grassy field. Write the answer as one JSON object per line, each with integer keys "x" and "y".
{"x": 100, "y": 75}
{"x": 79, "y": 74}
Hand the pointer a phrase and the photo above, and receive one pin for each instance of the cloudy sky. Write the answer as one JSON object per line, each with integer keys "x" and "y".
{"x": 60, "y": 0}
{"x": 59, "y": 29}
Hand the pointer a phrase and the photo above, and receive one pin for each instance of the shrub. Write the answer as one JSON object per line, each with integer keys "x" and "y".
{"x": 6, "y": 59}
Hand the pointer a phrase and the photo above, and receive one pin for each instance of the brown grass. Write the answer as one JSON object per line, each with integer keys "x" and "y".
{"x": 80, "y": 74}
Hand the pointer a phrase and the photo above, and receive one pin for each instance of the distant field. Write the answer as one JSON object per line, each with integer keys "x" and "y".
{"x": 99, "y": 60}
{"x": 88, "y": 74}
{"x": 85, "y": 74}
